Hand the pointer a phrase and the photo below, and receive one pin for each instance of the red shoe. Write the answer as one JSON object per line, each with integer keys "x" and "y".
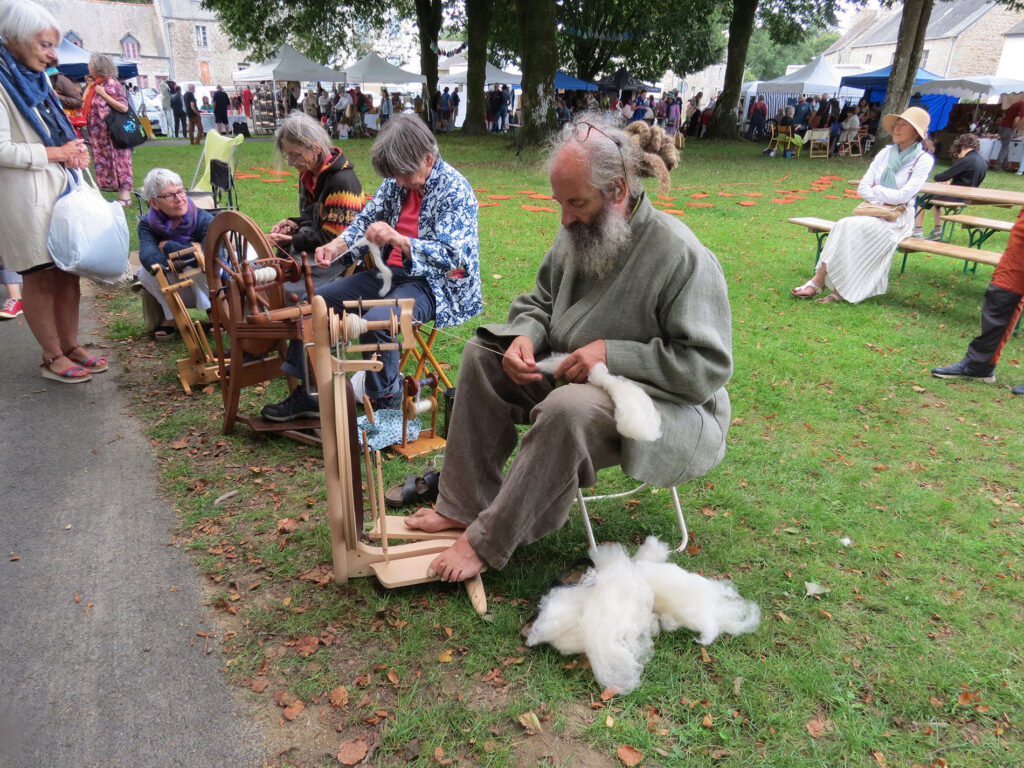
{"x": 10, "y": 309}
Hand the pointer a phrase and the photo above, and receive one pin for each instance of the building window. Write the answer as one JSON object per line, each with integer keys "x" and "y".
{"x": 143, "y": 81}
{"x": 129, "y": 48}
{"x": 924, "y": 59}
{"x": 73, "y": 38}
{"x": 867, "y": 59}
{"x": 201, "y": 39}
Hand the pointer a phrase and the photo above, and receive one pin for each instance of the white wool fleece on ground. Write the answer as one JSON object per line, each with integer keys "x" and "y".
{"x": 635, "y": 414}
{"x": 614, "y": 612}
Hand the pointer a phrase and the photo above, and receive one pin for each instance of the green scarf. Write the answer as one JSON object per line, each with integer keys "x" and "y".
{"x": 897, "y": 160}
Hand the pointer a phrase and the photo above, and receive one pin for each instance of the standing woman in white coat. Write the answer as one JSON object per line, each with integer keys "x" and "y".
{"x": 858, "y": 253}
{"x": 36, "y": 143}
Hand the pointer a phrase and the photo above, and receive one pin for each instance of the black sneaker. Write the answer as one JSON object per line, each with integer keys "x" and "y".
{"x": 1018, "y": 390}
{"x": 298, "y": 405}
{"x": 961, "y": 371}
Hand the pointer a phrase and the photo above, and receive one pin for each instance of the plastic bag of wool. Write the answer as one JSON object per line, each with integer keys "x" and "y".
{"x": 614, "y": 612}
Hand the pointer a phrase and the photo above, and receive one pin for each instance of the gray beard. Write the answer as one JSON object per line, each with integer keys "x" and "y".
{"x": 597, "y": 249}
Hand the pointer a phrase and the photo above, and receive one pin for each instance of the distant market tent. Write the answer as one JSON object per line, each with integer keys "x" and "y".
{"x": 73, "y": 61}
{"x": 971, "y": 86}
{"x": 817, "y": 77}
{"x": 288, "y": 64}
{"x": 879, "y": 79}
{"x": 492, "y": 75}
{"x": 564, "y": 82}
{"x": 373, "y": 69}
{"x": 622, "y": 80}
{"x": 876, "y": 85}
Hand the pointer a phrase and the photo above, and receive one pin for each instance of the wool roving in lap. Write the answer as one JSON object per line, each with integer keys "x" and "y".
{"x": 378, "y": 262}
{"x": 617, "y": 608}
{"x": 636, "y": 417}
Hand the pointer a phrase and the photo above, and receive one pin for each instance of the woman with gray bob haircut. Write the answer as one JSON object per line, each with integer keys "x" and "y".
{"x": 401, "y": 147}
{"x": 423, "y": 219}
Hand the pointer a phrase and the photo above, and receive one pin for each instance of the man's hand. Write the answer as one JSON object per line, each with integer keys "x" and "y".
{"x": 280, "y": 238}
{"x": 325, "y": 254}
{"x": 284, "y": 226}
{"x": 575, "y": 368}
{"x": 518, "y": 362}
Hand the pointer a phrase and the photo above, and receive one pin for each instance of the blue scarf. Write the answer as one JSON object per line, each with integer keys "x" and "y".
{"x": 161, "y": 225}
{"x": 29, "y": 89}
{"x": 897, "y": 160}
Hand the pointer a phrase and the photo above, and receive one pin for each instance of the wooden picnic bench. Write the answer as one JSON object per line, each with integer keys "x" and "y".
{"x": 821, "y": 228}
{"x": 979, "y": 229}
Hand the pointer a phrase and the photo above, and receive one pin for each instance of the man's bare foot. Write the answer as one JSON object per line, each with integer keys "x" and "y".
{"x": 431, "y": 521}
{"x": 457, "y": 563}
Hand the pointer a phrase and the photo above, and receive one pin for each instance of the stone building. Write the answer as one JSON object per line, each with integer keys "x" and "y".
{"x": 964, "y": 37}
{"x": 176, "y": 39}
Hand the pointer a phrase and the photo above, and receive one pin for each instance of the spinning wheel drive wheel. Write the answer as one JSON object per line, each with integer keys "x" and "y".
{"x": 246, "y": 284}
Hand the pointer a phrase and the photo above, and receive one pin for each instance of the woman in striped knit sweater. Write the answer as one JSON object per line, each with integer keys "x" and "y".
{"x": 855, "y": 262}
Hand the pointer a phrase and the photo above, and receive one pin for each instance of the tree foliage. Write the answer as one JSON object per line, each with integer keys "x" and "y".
{"x": 767, "y": 59}
{"x": 318, "y": 29}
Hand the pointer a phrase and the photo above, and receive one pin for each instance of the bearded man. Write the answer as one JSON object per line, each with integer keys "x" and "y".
{"x": 624, "y": 284}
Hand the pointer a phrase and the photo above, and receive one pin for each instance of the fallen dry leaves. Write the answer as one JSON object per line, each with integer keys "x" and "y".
{"x": 352, "y": 752}
{"x": 629, "y": 755}
{"x": 338, "y": 697}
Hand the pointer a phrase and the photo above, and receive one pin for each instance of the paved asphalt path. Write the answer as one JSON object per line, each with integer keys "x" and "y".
{"x": 119, "y": 678}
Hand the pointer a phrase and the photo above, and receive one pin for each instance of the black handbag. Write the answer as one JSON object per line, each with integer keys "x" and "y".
{"x": 125, "y": 128}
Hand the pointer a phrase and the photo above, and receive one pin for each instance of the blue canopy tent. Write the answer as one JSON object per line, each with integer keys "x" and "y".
{"x": 876, "y": 84}
{"x": 73, "y": 61}
{"x": 564, "y": 82}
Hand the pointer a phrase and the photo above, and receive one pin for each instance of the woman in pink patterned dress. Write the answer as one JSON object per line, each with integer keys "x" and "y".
{"x": 113, "y": 165}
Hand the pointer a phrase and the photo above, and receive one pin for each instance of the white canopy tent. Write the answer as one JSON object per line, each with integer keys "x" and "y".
{"x": 817, "y": 77}
{"x": 373, "y": 69}
{"x": 971, "y": 86}
{"x": 288, "y": 64}
{"x": 492, "y": 75}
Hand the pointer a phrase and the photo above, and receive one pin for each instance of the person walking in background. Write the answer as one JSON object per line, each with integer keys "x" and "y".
{"x": 221, "y": 102}
{"x": 195, "y": 117}
{"x": 105, "y": 93}
{"x": 1008, "y": 127}
{"x": 178, "y": 110}
{"x": 166, "y": 90}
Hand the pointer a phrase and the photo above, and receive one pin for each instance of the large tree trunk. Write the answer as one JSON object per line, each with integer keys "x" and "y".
{"x": 478, "y": 13}
{"x": 428, "y": 17}
{"x": 537, "y": 19}
{"x": 741, "y": 26}
{"x": 909, "y": 44}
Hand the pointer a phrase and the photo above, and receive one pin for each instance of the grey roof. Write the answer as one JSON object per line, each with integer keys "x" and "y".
{"x": 1016, "y": 29}
{"x": 947, "y": 20}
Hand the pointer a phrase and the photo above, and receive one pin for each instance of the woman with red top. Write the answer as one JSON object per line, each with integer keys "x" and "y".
{"x": 330, "y": 194}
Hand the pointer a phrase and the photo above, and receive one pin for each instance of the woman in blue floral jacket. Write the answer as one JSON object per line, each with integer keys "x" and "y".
{"x": 424, "y": 218}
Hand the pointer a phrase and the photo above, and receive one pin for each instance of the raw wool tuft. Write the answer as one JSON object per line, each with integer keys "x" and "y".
{"x": 607, "y": 615}
{"x": 659, "y": 153}
{"x": 636, "y": 416}
{"x": 614, "y": 612}
{"x": 378, "y": 262}
{"x": 683, "y": 599}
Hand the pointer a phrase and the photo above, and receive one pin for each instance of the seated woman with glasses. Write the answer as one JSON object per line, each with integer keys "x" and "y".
{"x": 330, "y": 194}
{"x": 172, "y": 224}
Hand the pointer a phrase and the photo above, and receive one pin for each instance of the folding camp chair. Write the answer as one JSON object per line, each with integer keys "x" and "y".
{"x": 582, "y": 500}
{"x": 214, "y": 178}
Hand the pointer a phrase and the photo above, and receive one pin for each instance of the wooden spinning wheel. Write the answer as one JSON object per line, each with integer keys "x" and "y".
{"x": 393, "y": 565}
{"x": 248, "y": 306}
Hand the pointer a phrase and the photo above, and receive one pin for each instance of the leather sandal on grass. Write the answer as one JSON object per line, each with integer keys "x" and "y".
{"x": 91, "y": 363}
{"x": 73, "y": 374}
{"x": 806, "y": 291}
{"x": 165, "y": 333}
{"x": 832, "y": 297}
{"x": 414, "y": 491}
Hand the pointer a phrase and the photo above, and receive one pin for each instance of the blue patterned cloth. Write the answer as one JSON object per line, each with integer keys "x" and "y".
{"x": 386, "y": 429}
{"x": 447, "y": 252}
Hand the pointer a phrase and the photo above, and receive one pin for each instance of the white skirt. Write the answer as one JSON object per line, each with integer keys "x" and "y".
{"x": 858, "y": 254}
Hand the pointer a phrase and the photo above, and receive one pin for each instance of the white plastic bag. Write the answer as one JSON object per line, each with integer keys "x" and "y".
{"x": 88, "y": 235}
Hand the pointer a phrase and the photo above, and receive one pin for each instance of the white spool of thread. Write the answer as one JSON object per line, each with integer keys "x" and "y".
{"x": 264, "y": 275}
{"x": 355, "y": 326}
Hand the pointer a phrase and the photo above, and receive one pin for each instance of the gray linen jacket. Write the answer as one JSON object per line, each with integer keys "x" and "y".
{"x": 666, "y": 323}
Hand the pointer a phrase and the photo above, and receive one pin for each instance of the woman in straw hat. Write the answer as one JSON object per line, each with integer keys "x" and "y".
{"x": 855, "y": 261}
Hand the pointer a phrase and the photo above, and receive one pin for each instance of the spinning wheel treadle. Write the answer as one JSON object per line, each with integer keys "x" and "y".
{"x": 249, "y": 308}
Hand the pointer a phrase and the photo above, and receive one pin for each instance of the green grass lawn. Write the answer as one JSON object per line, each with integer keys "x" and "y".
{"x": 848, "y": 466}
